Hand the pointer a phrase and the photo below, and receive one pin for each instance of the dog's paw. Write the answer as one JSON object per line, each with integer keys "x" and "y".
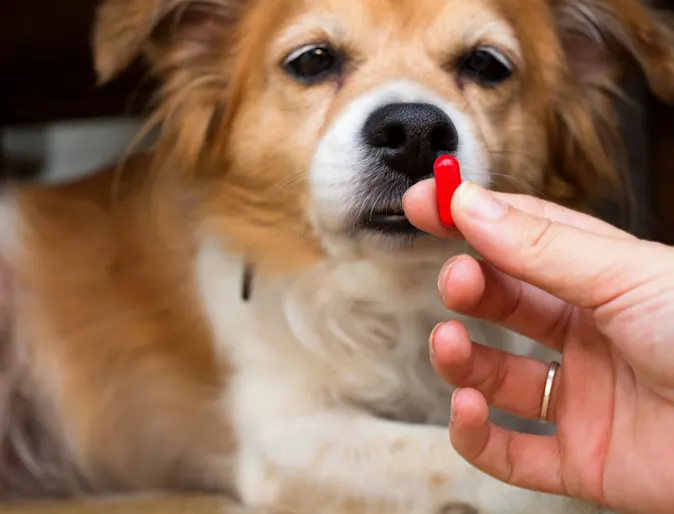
{"x": 457, "y": 508}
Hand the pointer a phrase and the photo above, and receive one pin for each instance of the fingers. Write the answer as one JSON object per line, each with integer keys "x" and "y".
{"x": 479, "y": 290}
{"x": 580, "y": 267}
{"x": 528, "y": 461}
{"x": 420, "y": 205}
{"x": 508, "y": 382}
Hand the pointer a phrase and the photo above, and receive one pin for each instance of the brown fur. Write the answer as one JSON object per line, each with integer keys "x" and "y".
{"x": 122, "y": 311}
{"x": 115, "y": 355}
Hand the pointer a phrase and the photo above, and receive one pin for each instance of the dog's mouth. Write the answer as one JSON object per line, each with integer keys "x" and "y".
{"x": 389, "y": 220}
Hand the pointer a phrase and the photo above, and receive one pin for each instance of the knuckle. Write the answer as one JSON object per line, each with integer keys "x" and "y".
{"x": 511, "y": 303}
{"x": 494, "y": 383}
{"x": 536, "y": 242}
{"x": 510, "y": 458}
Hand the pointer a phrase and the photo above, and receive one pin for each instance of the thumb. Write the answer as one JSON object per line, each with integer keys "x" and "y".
{"x": 583, "y": 268}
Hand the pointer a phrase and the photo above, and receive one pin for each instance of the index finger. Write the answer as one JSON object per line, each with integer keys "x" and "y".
{"x": 420, "y": 206}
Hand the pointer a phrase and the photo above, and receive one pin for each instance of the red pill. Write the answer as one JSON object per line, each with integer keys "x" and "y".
{"x": 447, "y": 180}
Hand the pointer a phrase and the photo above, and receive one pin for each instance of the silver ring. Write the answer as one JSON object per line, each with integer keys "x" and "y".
{"x": 547, "y": 392}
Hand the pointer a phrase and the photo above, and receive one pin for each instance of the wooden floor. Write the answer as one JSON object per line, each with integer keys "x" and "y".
{"x": 175, "y": 505}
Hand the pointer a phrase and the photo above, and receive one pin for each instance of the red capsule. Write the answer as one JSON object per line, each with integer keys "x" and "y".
{"x": 447, "y": 180}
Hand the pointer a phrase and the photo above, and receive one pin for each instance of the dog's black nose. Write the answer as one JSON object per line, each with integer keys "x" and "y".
{"x": 410, "y": 136}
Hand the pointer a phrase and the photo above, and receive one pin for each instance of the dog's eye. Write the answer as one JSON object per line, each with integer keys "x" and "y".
{"x": 312, "y": 63}
{"x": 485, "y": 66}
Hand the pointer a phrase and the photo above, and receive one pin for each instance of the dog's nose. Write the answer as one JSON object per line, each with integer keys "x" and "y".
{"x": 410, "y": 136}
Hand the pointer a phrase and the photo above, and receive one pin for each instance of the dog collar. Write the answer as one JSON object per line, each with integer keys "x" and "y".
{"x": 247, "y": 282}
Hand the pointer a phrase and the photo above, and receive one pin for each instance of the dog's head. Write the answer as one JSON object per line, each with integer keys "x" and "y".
{"x": 304, "y": 122}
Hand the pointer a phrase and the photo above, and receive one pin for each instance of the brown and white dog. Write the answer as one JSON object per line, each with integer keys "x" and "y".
{"x": 289, "y": 132}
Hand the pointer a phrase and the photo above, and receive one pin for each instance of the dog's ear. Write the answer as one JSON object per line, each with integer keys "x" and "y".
{"x": 125, "y": 29}
{"x": 602, "y": 41}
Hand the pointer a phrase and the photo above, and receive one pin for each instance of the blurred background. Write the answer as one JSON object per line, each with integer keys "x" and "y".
{"x": 55, "y": 123}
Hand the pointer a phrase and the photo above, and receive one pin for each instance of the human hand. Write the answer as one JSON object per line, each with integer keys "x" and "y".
{"x": 601, "y": 297}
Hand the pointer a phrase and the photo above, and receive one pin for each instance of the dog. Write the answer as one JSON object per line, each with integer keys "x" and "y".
{"x": 244, "y": 308}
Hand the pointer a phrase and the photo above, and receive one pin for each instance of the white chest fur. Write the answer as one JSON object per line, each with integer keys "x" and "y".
{"x": 349, "y": 334}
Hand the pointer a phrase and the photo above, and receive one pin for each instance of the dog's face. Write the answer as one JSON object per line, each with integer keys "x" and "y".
{"x": 306, "y": 121}
{"x": 381, "y": 89}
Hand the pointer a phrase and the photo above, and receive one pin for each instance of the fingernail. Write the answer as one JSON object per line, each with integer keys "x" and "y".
{"x": 480, "y": 203}
{"x": 444, "y": 273}
{"x": 431, "y": 344}
{"x": 452, "y": 415}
